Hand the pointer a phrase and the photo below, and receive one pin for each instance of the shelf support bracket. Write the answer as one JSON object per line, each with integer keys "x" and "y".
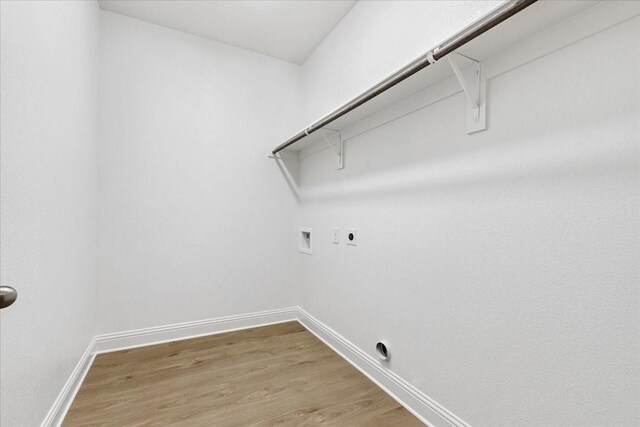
{"x": 468, "y": 73}
{"x": 338, "y": 148}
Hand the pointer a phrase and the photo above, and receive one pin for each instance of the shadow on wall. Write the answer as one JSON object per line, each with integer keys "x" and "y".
{"x": 406, "y": 156}
{"x": 287, "y": 162}
{"x": 573, "y": 123}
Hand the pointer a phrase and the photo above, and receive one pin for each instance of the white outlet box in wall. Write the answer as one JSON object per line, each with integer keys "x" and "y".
{"x": 305, "y": 241}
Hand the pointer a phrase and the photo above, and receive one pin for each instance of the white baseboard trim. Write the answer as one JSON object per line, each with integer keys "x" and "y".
{"x": 419, "y": 404}
{"x": 156, "y": 335}
{"x": 181, "y": 331}
{"x": 62, "y": 403}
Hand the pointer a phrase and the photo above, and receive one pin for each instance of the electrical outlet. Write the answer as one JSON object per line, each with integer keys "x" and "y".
{"x": 336, "y": 236}
{"x": 352, "y": 237}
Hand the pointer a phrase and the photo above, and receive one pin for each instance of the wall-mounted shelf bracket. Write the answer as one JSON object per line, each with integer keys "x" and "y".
{"x": 468, "y": 73}
{"x": 338, "y": 147}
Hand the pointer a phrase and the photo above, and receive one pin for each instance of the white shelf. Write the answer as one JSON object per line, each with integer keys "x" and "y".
{"x": 535, "y": 19}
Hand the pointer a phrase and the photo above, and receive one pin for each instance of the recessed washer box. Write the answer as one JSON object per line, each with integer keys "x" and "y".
{"x": 305, "y": 241}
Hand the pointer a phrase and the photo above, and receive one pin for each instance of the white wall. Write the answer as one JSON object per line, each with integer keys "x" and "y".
{"x": 49, "y": 128}
{"x": 375, "y": 39}
{"x": 195, "y": 220}
{"x": 502, "y": 268}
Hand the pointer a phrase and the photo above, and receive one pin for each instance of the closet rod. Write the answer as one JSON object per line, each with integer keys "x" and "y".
{"x": 502, "y": 13}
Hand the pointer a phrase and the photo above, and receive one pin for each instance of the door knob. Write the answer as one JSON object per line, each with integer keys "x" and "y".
{"x": 8, "y": 296}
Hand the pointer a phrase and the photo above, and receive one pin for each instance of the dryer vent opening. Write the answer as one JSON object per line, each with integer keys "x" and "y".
{"x": 383, "y": 351}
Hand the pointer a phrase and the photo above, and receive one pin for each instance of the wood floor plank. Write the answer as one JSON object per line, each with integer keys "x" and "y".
{"x": 280, "y": 374}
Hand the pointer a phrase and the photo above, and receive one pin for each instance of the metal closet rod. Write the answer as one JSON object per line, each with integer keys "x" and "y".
{"x": 458, "y": 40}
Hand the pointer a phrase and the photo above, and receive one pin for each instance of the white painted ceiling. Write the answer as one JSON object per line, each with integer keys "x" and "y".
{"x": 284, "y": 29}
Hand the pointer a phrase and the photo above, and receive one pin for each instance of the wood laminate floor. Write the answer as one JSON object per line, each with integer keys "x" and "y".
{"x": 280, "y": 374}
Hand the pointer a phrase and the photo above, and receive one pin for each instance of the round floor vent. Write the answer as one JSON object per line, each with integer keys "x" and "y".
{"x": 383, "y": 351}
